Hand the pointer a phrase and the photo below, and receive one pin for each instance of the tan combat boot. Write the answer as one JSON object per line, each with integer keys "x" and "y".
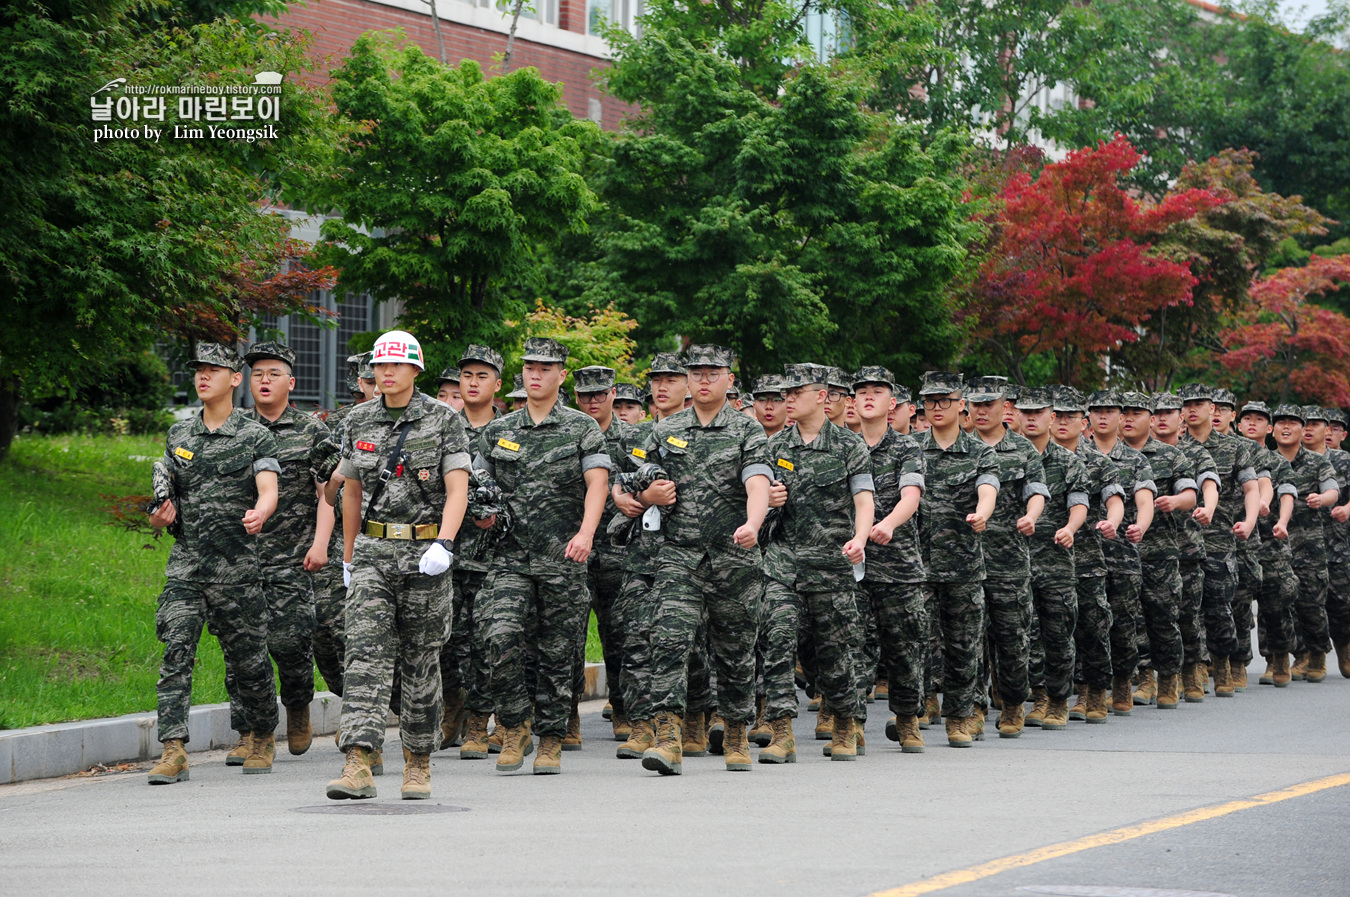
{"x": 1040, "y": 705}
{"x": 907, "y": 731}
{"x": 1097, "y": 711}
{"x": 717, "y": 733}
{"x": 607, "y": 712}
{"x": 172, "y": 766}
{"x": 299, "y": 735}
{"x": 1299, "y": 670}
{"x": 1223, "y": 687}
{"x": 642, "y": 740}
{"x": 475, "y": 746}
{"x": 695, "y": 743}
{"x": 736, "y": 747}
{"x": 356, "y": 781}
{"x": 1011, "y": 720}
{"x": 761, "y": 733}
{"x": 622, "y": 727}
{"x": 1056, "y": 715}
{"x": 1279, "y": 671}
{"x": 975, "y": 724}
{"x": 453, "y": 718}
{"x": 1193, "y": 689}
{"x": 571, "y": 741}
{"x": 1317, "y": 666}
{"x": 416, "y": 776}
{"x": 844, "y": 743}
{"x": 665, "y": 756}
{"x": 548, "y": 762}
{"x": 260, "y": 759}
{"x": 1237, "y": 675}
{"x": 241, "y": 750}
{"x": 1079, "y": 709}
{"x": 1202, "y": 674}
{"x": 957, "y": 736}
{"x": 495, "y": 739}
{"x": 1122, "y": 696}
{"x": 883, "y": 689}
{"x": 932, "y": 712}
{"x": 1343, "y": 659}
{"x": 1146, "y": 688}
{"x": 517, "y": 744}
{"x": 824, "y": 723}
{"x": 1268, "y": 677}
{"x": 782, "y": 747}
{"x": 1169, "y": 688}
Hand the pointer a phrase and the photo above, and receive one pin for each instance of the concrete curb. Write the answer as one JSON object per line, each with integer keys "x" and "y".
{"x": 62, "y": 749}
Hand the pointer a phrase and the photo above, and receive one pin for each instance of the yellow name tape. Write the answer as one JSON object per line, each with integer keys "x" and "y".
{"x": 509, "y": 445}
{"x": 785, "y": 464}
{"x": 639, "y": 453}
{"x": 183, "y": 453}
{"x": 678, "y": 443}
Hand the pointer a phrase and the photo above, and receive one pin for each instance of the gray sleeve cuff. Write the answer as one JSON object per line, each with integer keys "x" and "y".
{"x": 348, "y": 470}
{"x": 1287, "y": 489}
{"x": 1209, "y": 475}
{"x": 1246, "y": 475}
{"x": 861, "y": 483}
{"x": 987, "y": 479}
{"x": 1327, "y": 485}
{"x": 1031, "y": 489}
{"x": 266, "y": 464}
{"x": 1146, "y": 484}
{"x": 1113, "y": 489}
{"x": 483, "y": 463}
{"x": 912, "y": 479}
{"x": 1078, "y": 498}
{"x": 1181, "y": 485}
{"x": 455, "y": 461}
{"x": 599, "y": 459}
{"x": 1263, "y": 474}
{"x": 756, "y": 470}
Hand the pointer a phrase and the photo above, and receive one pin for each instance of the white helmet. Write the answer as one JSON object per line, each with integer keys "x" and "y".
{"x": 398, "y": 347}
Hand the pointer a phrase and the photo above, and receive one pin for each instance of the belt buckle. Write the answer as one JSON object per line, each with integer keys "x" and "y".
{"x": 397, "y": 531}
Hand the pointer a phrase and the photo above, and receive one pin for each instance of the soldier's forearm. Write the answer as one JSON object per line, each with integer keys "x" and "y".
{"x": 456, "y": 503}
{"x": 905, "y": 508}
{"x": 757, "y": 500}
{"x": 864, "y": 511}
{"x": 351, "y": 518}
{"x": 597, "y": 490}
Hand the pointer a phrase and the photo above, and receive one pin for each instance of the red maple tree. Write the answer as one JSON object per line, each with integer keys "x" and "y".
{"x": 1070, "y": 271}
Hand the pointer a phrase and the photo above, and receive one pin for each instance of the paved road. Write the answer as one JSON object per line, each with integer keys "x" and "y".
{"x": 815, "y": 829}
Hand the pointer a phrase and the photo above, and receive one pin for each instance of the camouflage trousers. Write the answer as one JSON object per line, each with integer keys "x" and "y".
{"x": 1338, "y": 603}
{"x": 464, "y": 656}
{"x": 236, "y": 615}
{"x": 701, "y": 693}
{"x": 1275, "y": 607}
{"x": 289, "y": 594}
{"x": 960, "y": 613}
{"x": 1052, "y": 652}
{"x": 902, "y": 612}
{"x": 633, "y": 606}
{"x": 1217, "y": 606}
{"x": 1310, "y": 608}
{"x": 1092, "y": 635}
{"x": 1160, "y": 600}
{"x": 869, "y": 663}
{"x": 830, "y": 620}
{"x": 1245, "y": 593}
{"x": 1191, "y": 618}
{"x": 605, "y": 581}
{"x": 330, "y": 600}
{"x": 730, "y": 596}
{"x": 395, "y": 625}
{"x": 1008, "y": 637}
{"x": 557, "y": 606}
{"x": 1123, "y": 596}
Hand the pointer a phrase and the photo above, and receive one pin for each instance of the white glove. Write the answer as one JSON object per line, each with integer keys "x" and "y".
{"x": 346, "y": 575}
{"x": 436, "y": 560}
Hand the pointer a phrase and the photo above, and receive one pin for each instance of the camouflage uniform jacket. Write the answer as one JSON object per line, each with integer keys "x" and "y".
{"x": 897, "y": 462}
{"x": 953, "y": 477}
{"x": 1312, "y": 473}
{"x": 541, "y": 469}
{"x": 334, "y": 422}
{"x": 1103, "y": 482}
{"x": 1007, "y": 554}
{"x": 1265, "y": 460}
{"x": 1067, "y": 480}
{"x": 1235, "y": 462}
{"x": 435, "y": 445}
{"x": 1173, "y": 475}
{"x": 213, "y": 486}
{"x": 1338, "y": 534}
{"x": 822, "y": 477}
{"x": 710, "y": 467}
{"x": 621, "y": 441}
{"x": 474, "y": 546}
{"x": 1192, "y": 535}
{"x": 308, "y": 456}
{"x": 1282, "y": 479}
{"x": 1136, "y": 475}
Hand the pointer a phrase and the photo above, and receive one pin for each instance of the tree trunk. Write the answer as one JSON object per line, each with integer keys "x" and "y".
{"x": 436, "y": 24}
{"x": 9, "y": 413}
{"x": 511, "y": 37}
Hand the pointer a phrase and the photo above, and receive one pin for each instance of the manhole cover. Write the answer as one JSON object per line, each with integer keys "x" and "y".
{"x": 1106, "y": 891}
{"x": 363, "y": 808}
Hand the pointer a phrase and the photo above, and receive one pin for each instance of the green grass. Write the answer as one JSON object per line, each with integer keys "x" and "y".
{"x": 77, "y": 596}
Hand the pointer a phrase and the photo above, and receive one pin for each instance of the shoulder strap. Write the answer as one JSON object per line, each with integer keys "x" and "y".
{"x": 388, "y": 473}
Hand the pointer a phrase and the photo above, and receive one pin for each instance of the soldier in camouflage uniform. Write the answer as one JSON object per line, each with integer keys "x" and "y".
{"x": 1159, "y": 553}
{"x": 710, "y": 560}
{"x": 405, "y": 464}
{"x": 1336, "y": 528}
{"x": 1248, "y": 553}
{"x": 770, "y": 404}
{"x": 292, "y": 545}
{"x": 837, "y": 399}
{"x": 447, "y": 389}
{"x": 551, "y": 464}
{"x": 216, "y": 486}
{"x": 1007, "y": 553}
{"x": 962, "y": 489}
{"x": 1235, "y": 460}
{"x": 1054, "y": 580}
{"x": 823, "y": 529}
{"x": 628, "y": 404}
{"x": 517, "y": 395}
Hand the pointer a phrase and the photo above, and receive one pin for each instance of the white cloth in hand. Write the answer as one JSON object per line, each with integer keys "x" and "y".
{"x": 436, "y": 560}
{"x": 346, "y": 575}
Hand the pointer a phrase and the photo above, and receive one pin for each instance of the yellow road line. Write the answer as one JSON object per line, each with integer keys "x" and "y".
{"x": 1115, "y": 836}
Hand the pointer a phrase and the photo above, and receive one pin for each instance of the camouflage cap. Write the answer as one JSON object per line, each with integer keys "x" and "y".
{"x": 1256, "y": 408}
{"x": 627, "y": 392}
{"x": 1195, "y": 392}
{"x": 1225, "y": 397}
{"x": 543, "y": 349}
{"x": 1012, "y": 393}
{"x": 667, "y": 363}
{"x": 1035, "y": 398}
{"x": 940, "y": 383}
{"x": 1102, "y": 398}
{"x": 483, "y": 355}
{"x": 1131, "y": 399}
{"x": 840, "y": 379}
{"x": 733, "y": 392}
{"x": 593, "y": 378}
{"x": 353, "y": 373}
{"x": 270, "y": 349}
{"x": 1166, "y": 401}
{"x": 517, "y": 388}
{"x": 986, "y": 389}
{"x": 768, "y": 385}
{"x": 796, "y": 376}
{"x": 709, "y": 357}
{"x": 365, "y": 370}
{"x": 873, "y": 374}
{"x": 902, "y": 394}
{"x": 1293, "y": 412}
{"x": 1069, "y": 400}
{"x": 449, "y": 375}
{"x": 217, "y": 354}
{"x": 1314, "y": 412}
{"x": 1335, "y": 416}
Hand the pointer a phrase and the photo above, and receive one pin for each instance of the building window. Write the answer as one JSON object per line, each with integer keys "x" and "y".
{"x": 543, "y": 11}
{"x": 321, "y": 351}
{"x": 624, "y": 13}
